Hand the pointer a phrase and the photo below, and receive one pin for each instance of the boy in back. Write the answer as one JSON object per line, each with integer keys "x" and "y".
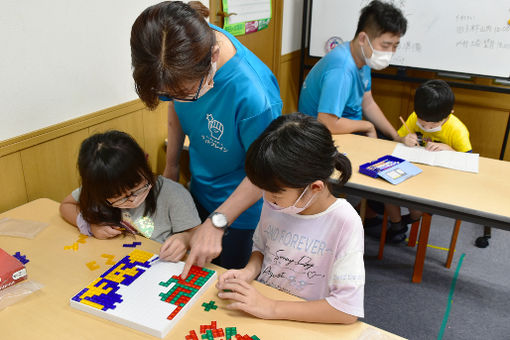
{"x": 432, "y": 125}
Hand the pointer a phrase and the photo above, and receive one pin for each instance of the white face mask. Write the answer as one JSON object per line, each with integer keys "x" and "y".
{"x": 379, "y": 59}
{"x": 208, "y": 82}
{"x": 291, "y": 210}
{"x": 436, "y": 129}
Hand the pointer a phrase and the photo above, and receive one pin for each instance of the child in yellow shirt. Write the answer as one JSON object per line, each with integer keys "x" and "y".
{"x": 433, "y": 126}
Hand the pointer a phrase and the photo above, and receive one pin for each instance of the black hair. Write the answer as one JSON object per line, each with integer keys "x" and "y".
{"x": 433, "y": 100}
{"x": 294, "y": 151}
{"x": 171, "y": 45}
{"x": 380, "y": 17}
{"x": 111, "y": 164}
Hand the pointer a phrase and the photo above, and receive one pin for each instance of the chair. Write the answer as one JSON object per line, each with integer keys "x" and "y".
{"x": 424, "y": 236}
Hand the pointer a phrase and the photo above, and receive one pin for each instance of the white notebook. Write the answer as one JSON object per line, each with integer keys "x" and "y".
{"x": 447, "y": 159}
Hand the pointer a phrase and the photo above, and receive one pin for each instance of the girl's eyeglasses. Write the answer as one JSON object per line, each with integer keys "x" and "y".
{"x": 135, "y": 193}
{"x": 187, "y": 99}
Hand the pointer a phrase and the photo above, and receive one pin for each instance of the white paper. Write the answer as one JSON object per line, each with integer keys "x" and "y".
{"x": 248, "y": 10}
{"x": 447, "y": 159}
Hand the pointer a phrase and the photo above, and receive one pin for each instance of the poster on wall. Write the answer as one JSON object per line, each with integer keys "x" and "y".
{"x": 246, "y": 17}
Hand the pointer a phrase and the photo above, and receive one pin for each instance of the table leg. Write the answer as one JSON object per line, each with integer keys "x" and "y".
{"x": 453, "y": 243}
{"x": 413, "y": 234}
{"x": 422, "y": 248}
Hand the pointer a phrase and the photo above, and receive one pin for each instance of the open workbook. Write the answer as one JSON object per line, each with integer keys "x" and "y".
{"x": 463, "y": 161}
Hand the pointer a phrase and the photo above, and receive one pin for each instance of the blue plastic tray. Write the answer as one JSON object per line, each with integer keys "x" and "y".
{"x": 373, "y": 168}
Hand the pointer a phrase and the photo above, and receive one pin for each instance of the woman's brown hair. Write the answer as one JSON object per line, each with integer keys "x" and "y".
{"x": 171, "y": 45}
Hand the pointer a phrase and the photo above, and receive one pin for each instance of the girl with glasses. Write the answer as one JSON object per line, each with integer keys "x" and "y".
{"x": 308, "y": 243}
{"x": 120, "y": 194}
{"x": 222, "y": 97}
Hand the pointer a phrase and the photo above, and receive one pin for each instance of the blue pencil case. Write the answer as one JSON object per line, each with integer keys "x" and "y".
{"x": 393, "y": 169}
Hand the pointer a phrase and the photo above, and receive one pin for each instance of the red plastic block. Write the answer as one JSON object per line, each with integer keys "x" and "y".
{"x": 192, "y": 335}
{"x": 218, "y": 332}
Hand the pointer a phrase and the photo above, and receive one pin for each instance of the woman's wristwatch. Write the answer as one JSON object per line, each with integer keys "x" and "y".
{"x": 218, "y": 220}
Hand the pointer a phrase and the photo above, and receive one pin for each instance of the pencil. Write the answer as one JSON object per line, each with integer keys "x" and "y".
{"x": 403, "y": 122}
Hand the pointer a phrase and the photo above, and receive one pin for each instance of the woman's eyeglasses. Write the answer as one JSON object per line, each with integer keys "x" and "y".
{"x": 135, "y": 193}
{"x": 187, "y": 99}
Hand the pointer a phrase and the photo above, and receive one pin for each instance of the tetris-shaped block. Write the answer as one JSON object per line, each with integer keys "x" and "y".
{"x": 21, "y": 258}
{"x": 132, "y": 245}
{"x": 144, "y": 294}
{"x": 209, "y": 305}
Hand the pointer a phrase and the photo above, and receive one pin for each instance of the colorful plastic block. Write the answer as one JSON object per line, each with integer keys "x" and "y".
{"x": 74, "y": 246}
{"x": 109, "y": 258}
{"x": 21, "y": 258}
{"x": 93, "y": 265}
{"x": 192, "y": 335}
{"x": 132, "y": 245}
{"x": 209, "y": 305}
{"x": 82, "y": 238}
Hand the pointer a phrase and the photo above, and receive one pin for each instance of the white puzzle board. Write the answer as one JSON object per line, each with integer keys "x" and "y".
{"x": 134, "y": 290}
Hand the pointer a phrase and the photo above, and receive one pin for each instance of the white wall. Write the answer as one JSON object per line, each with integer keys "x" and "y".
{"x": 62, "y": 59}
{"x": 292, "y": 23}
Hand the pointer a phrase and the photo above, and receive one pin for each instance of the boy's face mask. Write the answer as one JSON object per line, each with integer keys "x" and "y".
{"x": 431, "y": 128}
{"x": 379, "y": 59}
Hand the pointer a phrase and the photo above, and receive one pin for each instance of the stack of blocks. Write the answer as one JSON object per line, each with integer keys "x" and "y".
{"x": 210, "y": 332}
{"x": 183, "y": 290}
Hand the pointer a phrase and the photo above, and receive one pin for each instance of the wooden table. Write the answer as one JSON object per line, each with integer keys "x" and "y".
{"x": 482, "y": 198}
{"x": 46, "y": 314}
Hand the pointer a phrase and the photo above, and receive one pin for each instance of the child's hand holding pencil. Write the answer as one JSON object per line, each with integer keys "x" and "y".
{"x": 411, "y": 139}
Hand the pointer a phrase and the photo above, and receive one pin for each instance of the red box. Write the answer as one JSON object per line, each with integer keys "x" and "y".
{"x": 11, "y": 270}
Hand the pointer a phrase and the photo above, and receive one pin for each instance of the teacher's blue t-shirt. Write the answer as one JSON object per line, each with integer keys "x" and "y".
{"x": 223, "y": 123}
{"x": 335, "y": 85}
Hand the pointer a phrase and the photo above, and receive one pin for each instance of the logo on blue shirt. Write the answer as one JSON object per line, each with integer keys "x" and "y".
{"x": 216, "y": 130}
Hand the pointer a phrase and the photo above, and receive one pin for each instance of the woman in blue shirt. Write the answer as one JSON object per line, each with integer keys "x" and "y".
{"x": 222, "y": 97}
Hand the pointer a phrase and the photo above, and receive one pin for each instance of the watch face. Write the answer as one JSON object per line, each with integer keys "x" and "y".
{"x": 219, "y": 220}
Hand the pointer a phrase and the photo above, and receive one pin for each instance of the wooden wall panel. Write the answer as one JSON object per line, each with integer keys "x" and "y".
{"x": 14, "y": 192}
{"x": 486, "y": 128}
{"x": 50, "y": 168}
{"x": 393, "y": 99}
{"x": 155, "y": 132}
{"x": 131, "y": 123}
{"x": 289, "y": 81}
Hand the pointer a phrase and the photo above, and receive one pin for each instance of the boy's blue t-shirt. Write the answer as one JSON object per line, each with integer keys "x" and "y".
{"x": 335, "y": 85}
{"x": 223, "y": 123}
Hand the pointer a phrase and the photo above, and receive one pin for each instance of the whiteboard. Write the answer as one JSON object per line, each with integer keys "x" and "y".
{"x": 62, "y": 59}
{"x": 466, "y": 36}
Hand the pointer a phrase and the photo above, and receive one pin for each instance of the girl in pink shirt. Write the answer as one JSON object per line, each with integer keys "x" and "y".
{"x": 308, "y": 243}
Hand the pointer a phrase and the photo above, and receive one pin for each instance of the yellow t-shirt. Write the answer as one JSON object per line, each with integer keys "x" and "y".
{"x": 453, "y": 133}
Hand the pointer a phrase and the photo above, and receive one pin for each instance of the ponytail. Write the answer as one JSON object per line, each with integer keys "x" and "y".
{"x": 343, "y": 172}
{"x": 199, "y": 8}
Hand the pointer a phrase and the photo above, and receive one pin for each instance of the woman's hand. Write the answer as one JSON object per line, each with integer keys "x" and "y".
{"x": 246, "y": 298}
{"x": 104, "y": 232}
{"x": 205, "y": 244}
{"x": 174, "y": 247}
